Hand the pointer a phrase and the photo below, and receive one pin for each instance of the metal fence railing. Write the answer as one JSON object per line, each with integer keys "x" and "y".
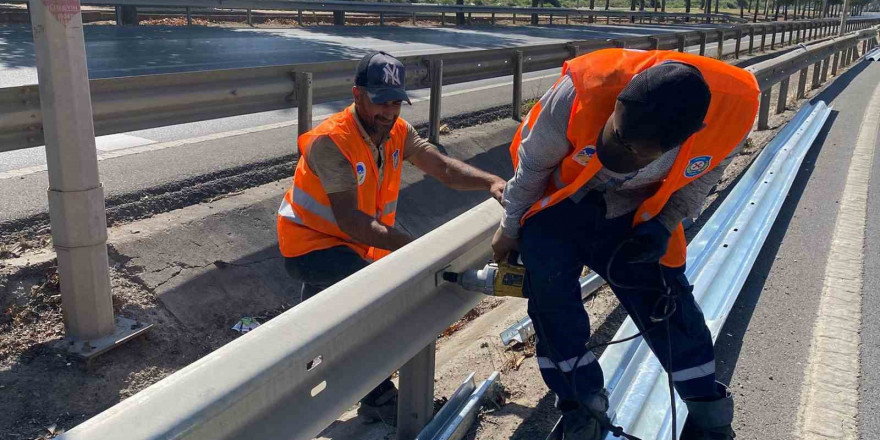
{"x": 140, "y": 102}
{"x": 307, "y": 366}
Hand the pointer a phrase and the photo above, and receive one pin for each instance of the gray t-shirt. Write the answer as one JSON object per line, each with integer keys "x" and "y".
{"x": 545, "y": 146}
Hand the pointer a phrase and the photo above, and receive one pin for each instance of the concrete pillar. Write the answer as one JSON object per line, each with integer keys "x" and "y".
{"x": 76, "y": 196}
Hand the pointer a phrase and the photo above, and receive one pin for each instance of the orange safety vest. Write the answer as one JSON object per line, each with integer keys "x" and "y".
{"x": 598, "y": 78}
{"x": 305, "y": 218}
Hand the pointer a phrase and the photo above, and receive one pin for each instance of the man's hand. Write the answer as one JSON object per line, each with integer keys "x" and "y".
{"x": 503, "y": 245}
{"x": 648, "y": 242}
{"x": 497, "y": 188}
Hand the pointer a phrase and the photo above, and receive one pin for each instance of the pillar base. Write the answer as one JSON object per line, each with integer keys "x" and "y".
{"x": 126, "y": 330}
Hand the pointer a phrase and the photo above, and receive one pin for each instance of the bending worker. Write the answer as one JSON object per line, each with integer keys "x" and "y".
{"x": 339, "y": 214}
{"x": 623, "y": 147}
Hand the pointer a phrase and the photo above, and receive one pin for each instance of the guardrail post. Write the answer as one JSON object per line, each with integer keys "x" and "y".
{"x": 825, "y": 65}
{"x": 703, "y": 37}
{"x": 763, "y": 37}
{"x": 516, "y": 111}
{"x": 76, "y": 194}
{"x": 681, "y": 42}
{"x": 493, "y": 19}
{"x": 736, "y": 49}
{"x": 751, "y": 39}
{"x": 339, "y": 18}
{"x": 865, "y": 46}
{"x": 551, "y": 19}
{"x": 817, "y": 69}
{"x": 381, "y": 19}
{"x": 783, "y": 96}
{"x": 834, "y": 66}
{"x": 802, "y": 84}
{"x": 514, "y": 18}
{"x": 773, "y": 37}
{"x": 189, "y": 17}
{"x": 303, "y": 92}
{"x": 299, "y": 17}
{"x": 414, "y": 19}
{"x": 791, "y": 34}
{"x": 436, "y": 72}
{"x": 720, "y": 35}
{"x": 415, "y": 401}
{"x": 764, "y": 110}
{"x": 534, "y": 19}
{"x": 250, "y": 18}
{"x": 118, "y": 10}
{"x": 442, "y": 19}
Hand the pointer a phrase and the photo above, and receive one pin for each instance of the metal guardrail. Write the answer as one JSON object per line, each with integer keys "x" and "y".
{"x": 134, "y": 103}
{"x": 306, "y": 366}
{"x": 401, "y": 8}
{"x": 720, "y": 258}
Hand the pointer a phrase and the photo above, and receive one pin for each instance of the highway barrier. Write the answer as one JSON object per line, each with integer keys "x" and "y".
{"x": 140, "y": 102}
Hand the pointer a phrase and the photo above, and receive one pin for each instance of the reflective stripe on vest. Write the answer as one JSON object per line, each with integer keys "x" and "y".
{"x": 598, "y": 78}
{"x": 307, "y": 202}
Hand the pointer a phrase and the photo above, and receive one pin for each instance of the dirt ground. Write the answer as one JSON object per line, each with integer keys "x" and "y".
{"x": 44, "y": 392}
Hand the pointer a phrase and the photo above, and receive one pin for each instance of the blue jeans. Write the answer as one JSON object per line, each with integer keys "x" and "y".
{"x": 555, "y": 245}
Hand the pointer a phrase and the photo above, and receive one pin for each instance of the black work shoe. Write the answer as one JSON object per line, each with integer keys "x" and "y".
{"x": 710, "y": 419}
{"x": 380, "y": 405}
{"x": 579, "y": 423}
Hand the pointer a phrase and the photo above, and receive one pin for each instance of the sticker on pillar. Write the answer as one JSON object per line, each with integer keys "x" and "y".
{"x": 584, "y": 156}
{"x": 62, "y": 10}
{"x": 697, "y": 165}
{"x": 361, "y": 171}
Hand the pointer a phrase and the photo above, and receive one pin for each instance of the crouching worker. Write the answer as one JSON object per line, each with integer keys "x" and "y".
{"x": 623, "y": 147}
{"x": 339, "y": 214}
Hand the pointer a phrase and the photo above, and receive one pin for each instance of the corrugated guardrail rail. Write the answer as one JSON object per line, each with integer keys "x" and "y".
{"x": 308, "y": 365}
{"x": 140, "y": 102}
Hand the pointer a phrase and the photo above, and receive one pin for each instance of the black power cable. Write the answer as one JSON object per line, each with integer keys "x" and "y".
{"x": 666, "y": 302}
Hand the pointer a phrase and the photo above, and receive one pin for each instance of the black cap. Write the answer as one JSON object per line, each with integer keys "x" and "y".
{"x": 673, "y": 98}
{"x": 383, "y": 77}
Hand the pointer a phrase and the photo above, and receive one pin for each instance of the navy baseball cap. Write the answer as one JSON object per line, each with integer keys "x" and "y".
{"x": 383, "y": 77}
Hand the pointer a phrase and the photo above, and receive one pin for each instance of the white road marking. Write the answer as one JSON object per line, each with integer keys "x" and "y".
{"x": 830, "y": 395}
{"x": 144, "y": 148}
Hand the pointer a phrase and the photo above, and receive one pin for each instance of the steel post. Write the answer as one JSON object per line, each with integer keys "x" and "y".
{"x": 299, "y": 17}
{"x": 782, "y": 99}
{"x": 414, "y": 19}
{"x": 250, "y": 18}
{"x": 790, "y": 34}
{"x": 763, "y": 37}
{"x": 720, "y": 53}
{"x": 773, "y": 37}
{"x": 436, "y": 68}
{"x": 189, "y": 17}
{"x": 834, "y": 65}
{"x": 303, "y": 91}
{"x": 817, "y": 69}
{"x": 825, "y": 65}
{"x": 736, "y": 49}
{"x": 415, "y": 401}
{"x": 516, "y": 111}
{"x": 76, "y": 195}
{"x": 764, "y": 110}
{"x": 118, "y": 10}
{"x": 751, "y": 39}
{"x": 381, "y": 19}
{"x": 681, "y": 43}
{"x": 802, "y": 84}
{"x": 703, "y": 37}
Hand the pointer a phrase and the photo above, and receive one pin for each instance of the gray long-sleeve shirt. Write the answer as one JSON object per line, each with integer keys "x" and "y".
{"x": 545, "y": 146}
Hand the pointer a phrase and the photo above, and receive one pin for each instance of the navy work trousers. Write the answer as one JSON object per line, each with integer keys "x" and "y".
{"x": 555, "y": 244}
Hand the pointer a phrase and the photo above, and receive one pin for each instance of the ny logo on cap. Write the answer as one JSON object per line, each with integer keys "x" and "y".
{"x": 392, "y": 75}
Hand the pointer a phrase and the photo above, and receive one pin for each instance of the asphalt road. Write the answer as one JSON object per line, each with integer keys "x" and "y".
{"x": 870, "y": 381}
{"x": 764, "y": 347}
{"x": 129, "y": 51}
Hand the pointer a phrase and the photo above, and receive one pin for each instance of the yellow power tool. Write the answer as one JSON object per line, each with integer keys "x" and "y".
{"x": 497, "y": 279}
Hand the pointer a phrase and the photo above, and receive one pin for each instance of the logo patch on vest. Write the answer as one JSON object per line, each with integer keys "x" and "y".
{"x": 395, "y": 158}
{"x": 584, "y": 156}
{"x": 697, "y": 165}
{"x": 361, "y": 170}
